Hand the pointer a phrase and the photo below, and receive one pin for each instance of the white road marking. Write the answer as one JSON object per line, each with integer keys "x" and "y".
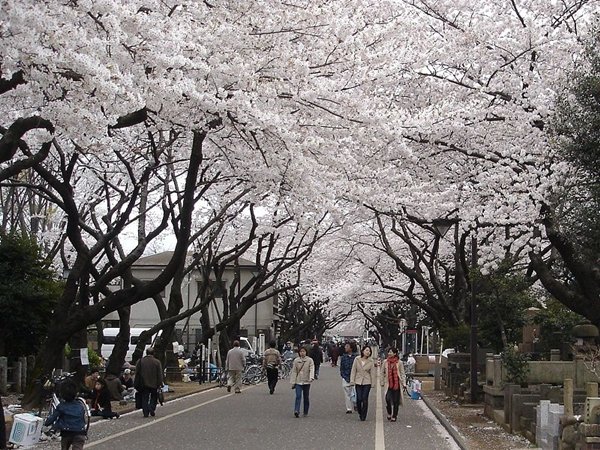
{"x": 379, "y": 435}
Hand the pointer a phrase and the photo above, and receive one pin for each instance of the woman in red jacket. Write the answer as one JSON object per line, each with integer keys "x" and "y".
{"x": 394, "y": 378}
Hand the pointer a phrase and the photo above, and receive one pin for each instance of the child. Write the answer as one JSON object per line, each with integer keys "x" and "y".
{"x": 70, "y": 418}
{"x": 101, "y": 401}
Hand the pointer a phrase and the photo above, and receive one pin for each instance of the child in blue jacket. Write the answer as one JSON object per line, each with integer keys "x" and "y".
{"x": 70, "y": 417}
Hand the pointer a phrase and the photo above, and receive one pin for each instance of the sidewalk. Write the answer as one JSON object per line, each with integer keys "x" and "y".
{"x": 469, "y": 427}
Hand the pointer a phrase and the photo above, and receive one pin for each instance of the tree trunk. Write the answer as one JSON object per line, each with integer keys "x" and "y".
{"x": 117, "y": 357}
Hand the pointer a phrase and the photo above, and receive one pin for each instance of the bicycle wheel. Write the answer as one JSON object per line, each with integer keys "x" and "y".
{"x": 252, "y": 375}
{"x": 223, "y": 378}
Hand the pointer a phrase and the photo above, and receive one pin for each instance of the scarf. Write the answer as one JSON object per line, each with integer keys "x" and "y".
{"x": 393, "y": 377}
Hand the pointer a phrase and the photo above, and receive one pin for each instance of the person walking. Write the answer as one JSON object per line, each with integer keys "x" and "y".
{"x": 362, "y": 377}
{"x": 334, "y": 353}
{"x": 394, "y": 379}
{"x": 302, "y": 374}
{"x": 69, "y": 417}
{"x": 411, "y": 363}
{"x": 317, "y": 356}
{"x": 288, "y": 351}
{"x": 148, "y": 378}
{"x": 235, "y": 364}
{"x": 346, "y": 362}
{"x": 271, "y": 363}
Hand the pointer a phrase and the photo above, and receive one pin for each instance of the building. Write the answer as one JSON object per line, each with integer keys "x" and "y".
{"x": 259, "y": 319}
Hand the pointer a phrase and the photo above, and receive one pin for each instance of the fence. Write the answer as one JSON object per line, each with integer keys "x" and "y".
{"x": 15, "y": 378}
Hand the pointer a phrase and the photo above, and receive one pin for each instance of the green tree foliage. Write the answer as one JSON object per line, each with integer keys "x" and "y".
{"x": 28, "y": 293}
{"x": 503, "y": 296}
{"x": 456, "y": 337}
{"x": 387, "y": 321}
{"x": 516, "y": 365}
{"x": 555, "y": 323}
{"x": 577, "y": 126}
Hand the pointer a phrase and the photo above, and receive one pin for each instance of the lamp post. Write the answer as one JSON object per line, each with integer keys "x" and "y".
{"x": 402, "y": 323}
{"x": 441, "y": 227}
{"x": 473, "y": 335}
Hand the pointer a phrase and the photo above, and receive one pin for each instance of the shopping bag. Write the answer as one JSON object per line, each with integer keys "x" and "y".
{"x": 353, "y": 395}
{"x": 138, "y": 400}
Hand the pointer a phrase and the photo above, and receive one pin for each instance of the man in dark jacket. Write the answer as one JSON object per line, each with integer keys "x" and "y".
{"x": 148, "y": 378}
{"x": 346, "y": 362}
{"x": 317, "y": 356}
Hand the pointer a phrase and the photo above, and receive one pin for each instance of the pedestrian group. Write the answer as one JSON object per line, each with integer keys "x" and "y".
{"x": 358, "y": 373}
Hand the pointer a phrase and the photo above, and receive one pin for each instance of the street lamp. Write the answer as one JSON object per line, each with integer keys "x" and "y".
{"x": 473, "y": 336}
{"x": 402, "y": 324}
{"x": 441, "y": 227}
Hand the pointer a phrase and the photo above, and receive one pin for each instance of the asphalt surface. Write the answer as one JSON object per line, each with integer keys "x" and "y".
{"x": 256, "y": 420}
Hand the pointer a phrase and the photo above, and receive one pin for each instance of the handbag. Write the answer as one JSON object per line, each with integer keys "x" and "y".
{"x": 138, "y": 400}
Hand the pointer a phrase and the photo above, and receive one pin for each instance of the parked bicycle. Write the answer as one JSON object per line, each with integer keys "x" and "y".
{"x": 50, "y": 396}
{"x": 285, "y": 368}
{"x": 254, "y": 372}
{"x": 222, "y": 377}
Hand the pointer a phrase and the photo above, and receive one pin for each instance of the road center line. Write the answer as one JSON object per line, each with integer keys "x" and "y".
{"x": 379, "y": 435}
{"x": 154, "y": 421}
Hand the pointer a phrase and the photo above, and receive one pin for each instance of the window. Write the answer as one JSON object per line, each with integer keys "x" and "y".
{"x": 110, "y": 340}
{"x": 215, "y": 290}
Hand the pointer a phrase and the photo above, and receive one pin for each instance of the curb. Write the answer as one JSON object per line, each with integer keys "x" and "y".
{"x": 446, "y": 423}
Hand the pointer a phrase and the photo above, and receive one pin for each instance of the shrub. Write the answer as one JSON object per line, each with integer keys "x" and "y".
{"x": 516, "y": 366}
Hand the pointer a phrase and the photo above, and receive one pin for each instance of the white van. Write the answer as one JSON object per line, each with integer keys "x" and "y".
{"x": 246, "y": 346}
{"x": 110, "y": 337}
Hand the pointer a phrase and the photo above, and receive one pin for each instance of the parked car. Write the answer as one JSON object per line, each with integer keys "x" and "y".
{"x": 246, "y": 346}
{"x": 110, "y": 337}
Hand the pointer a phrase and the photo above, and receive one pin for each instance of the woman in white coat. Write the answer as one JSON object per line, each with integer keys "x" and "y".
{"x": 301, "y": 376}
{"x": 362, "y": 376}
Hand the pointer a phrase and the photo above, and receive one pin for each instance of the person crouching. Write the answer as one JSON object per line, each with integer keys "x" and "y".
{"x": 101, "y": 401}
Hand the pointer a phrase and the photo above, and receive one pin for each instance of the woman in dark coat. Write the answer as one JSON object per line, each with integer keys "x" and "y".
{"x": 334, "y": 353}
{"x": 101, "y": 401}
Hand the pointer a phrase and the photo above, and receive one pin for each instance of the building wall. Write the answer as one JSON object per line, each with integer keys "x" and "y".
{"x": 145, "y": 313}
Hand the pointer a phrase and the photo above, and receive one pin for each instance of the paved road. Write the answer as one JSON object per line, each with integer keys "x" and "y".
{"x": 256, "y": 420}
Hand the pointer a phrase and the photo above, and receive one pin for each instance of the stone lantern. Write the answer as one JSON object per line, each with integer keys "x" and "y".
{"x": 585, "y": 334}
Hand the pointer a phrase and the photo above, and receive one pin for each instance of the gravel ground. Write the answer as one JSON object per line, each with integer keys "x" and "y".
{"x": 478, "y": 432}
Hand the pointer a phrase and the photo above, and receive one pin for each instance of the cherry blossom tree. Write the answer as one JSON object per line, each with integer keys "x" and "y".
{"x": 131, "y": 112}
{"x": 409, "y": 111}
{"x": 470, "y": 92}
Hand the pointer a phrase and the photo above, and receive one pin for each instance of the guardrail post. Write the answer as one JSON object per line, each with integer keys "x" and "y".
{"x": 17, "y": 370}
{"x": 24, "y": 369}
{"x": 3, "y": 375}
